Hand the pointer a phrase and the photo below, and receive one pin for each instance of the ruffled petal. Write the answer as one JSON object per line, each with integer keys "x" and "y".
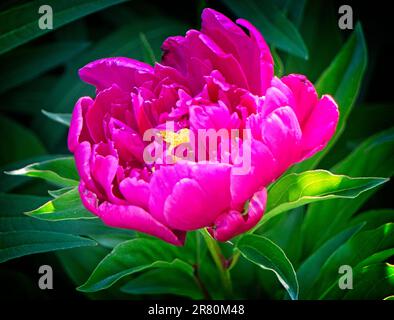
{"x": 82, "y": 155}
{"x": 320, "y": 126}
{"x": 281, "y": 133}
{"x": 233, "y": 223}
{"x": 251, "y": 51}
{"x": 136, "y": 218}
{"x": 136, "y": 191}
{"x": 305, "y": 96}
{"x": 78, "y": 130}
{"x": 261, "y": 171}
{"x": 189, "y": 195}
{"x": 125, "y": 72}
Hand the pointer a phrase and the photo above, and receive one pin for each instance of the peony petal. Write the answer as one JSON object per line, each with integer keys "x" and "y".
{"x": 263, "y": 71}
{"x": 102, "y": 106}
{"x": 252, "y": 52}
{"x": 263, "y": 170}
{"x": 278, "y": 95}
{"x": 136, "y": 191}
{"x": 305, "y": 96}
{"x": 82, "y": 156}
{"x": 78, "y": 130}
{"x": 190, "y": 195}
{"x": 281, "y": 133}
{"x": 125, "y": 72}
{"x": 233, "y": 223}
{"x": 89, "y": 199}
{"x": 136, "y": 218}
{"x": 320, "y": 126}
{"x": 127, "y": 142}
{"x": 209, "y": 117}
{"x": 181, "y": 52}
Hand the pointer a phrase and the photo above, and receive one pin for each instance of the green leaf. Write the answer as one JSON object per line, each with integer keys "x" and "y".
{"x": 79, "y": 263}
{"x": 294, "y": 190}
{"x": 128, "y": 258}
{"x": 374, "y": 157}
{"x": 68, "y": 206}
{"x": 353, "y": 253}
{"x": 28, "y": 63}
{"x": 63, "y": 118}
{"x": 19, "y": 25}
{"x": 269, "y": 256}
{"x": 60, "y": 171}
{"x": 10, "y": 182}
{"x": 17, "y": 142}
{"x": 342, "y": 79}
{"x": 310, "y": 269}
{"x": 57, "y": 193}
{"x": 377, "y": 257}
{"x": 272, "y": 23}
{"x": 111, "y": 240}
{"x": 17, "y": 244}
{"x": 170, "y": 280}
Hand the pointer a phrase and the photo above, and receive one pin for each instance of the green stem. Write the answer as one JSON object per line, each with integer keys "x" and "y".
{"x": 219, "y": 260}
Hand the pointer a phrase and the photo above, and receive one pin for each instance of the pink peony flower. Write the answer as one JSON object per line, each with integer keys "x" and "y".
{"x": 218, "y": 78}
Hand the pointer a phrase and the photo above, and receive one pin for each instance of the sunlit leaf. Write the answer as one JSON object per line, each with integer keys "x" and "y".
{"x": 60, "y": 171}
{"x": 67, "y": 206}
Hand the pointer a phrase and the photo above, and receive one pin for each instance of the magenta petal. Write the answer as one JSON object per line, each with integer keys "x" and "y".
{"x": 135, "y": 191}
{"x": 186, "y": 208}
{"x": 103, "y": 171}
{"x": 127, "y": 142}
{"x": 124, "y": 72}
{"x": 281, "y": 133}
{"x": 320, "y": 126}
{"x": 82, "y": 156}
{"x": 89, "y": 199}
{"x": 136, "y": 218}
{"x": 209, "y": 117}
{"x": 78, "y": 131}
{"x": 102, "y": 106}
{"x": 251, "y": 51}
{"x": 277, "y": 96}
{"x": 233, "y": 223}
{"x": 264, "y": 71}
{"x": 262, "y": 172}
{"x": 305, "y": 96}
{"x": 188, "y": 196}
